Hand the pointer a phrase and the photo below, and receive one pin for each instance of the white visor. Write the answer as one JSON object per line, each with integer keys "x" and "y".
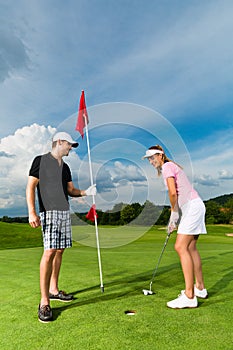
{"x": 151, "y": 152}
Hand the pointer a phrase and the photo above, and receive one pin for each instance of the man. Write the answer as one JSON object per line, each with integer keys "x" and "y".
{"x": 52, "y": 178}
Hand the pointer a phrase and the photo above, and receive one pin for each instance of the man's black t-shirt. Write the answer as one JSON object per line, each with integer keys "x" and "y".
{"x": 53, "y": 179}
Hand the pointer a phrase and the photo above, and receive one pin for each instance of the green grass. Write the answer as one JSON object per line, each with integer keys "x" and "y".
{"x": 96, "y": 320}
{"x": 16, "y": 235}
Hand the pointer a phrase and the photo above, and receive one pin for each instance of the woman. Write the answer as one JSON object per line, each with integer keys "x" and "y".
{"x": 185, "y": 200}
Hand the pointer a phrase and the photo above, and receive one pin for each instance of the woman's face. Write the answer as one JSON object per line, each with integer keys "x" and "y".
{"x": 156, "y": 160}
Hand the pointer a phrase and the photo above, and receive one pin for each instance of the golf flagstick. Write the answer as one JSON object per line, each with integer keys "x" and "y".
{"x": 93, "y": 201}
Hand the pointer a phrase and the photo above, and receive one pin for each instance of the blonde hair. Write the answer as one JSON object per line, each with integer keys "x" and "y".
{"x": 164, "y": 157}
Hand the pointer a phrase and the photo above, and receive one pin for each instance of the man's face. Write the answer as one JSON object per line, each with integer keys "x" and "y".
{"x": 66, "y": 147}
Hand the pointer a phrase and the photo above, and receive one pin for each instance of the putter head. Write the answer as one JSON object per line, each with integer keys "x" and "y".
{"x": 147, "y": 292}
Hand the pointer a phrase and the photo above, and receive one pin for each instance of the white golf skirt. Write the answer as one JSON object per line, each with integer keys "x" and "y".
{"x": 193, "y": 218}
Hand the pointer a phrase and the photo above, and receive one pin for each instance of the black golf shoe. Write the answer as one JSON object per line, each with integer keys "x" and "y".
{"x": 45, "y": 313}
{"x": 61, "y": 296}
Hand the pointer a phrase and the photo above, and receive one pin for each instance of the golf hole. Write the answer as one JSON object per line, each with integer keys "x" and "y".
{"x": 130, "y": 312}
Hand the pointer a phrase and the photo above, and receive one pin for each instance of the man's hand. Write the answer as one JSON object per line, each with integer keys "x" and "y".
{"x": 91, "y": 191}
{"x": 34, "y": 220}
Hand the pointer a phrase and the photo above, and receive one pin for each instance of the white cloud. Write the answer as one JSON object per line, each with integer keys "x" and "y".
{"x": 116, "y": 181}
{"x": 225, "y": 175}
{"x": 211, "y": 166}
{"x": 17, "y": 152}
{"x": 129, "y": 173}
{"x": 205, "y": 180}
{"x": 120, "y": 182}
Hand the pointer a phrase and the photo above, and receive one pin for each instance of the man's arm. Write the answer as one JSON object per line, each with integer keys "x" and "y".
{"x": 33, "y": 219}
{"x": 74, "y": 192}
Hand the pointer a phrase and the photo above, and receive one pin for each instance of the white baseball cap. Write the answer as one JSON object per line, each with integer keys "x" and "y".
{"x": 64, "y": 136}
{"x": 151, "y": 152}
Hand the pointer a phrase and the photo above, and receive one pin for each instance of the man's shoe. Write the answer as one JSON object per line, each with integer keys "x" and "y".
{"x": 61, "y": 296}
{"x": 200, "y": 293}
{"x": 182, "y": 302}
{"x": 45, "y": 313}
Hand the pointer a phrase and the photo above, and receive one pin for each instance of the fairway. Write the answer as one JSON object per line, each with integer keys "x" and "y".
{"x": 95, "y": 320}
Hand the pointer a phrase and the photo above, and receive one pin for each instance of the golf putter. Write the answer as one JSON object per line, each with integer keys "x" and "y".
{"x": 149, "y": 291}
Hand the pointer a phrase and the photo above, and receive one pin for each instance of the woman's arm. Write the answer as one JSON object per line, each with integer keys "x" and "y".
{"x": 171, "y": 185}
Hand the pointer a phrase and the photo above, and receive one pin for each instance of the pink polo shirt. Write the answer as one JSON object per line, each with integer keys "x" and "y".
{"x": 185, "y": 190}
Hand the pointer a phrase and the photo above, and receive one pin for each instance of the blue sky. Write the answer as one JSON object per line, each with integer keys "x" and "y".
{"x": 158, "y": 71}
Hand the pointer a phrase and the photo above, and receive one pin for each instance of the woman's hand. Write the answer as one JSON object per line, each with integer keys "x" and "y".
{"x": 172, "y": 224}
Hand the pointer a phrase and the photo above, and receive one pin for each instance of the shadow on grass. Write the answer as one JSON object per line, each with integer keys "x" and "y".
{"x": 218, "y": 288}
{"x": 216, "y": 293}
{"x": 133, "y": 285}
{"x": 129, "y": 286}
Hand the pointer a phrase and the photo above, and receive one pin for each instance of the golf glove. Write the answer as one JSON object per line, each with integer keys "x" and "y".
{"x": 91, "y": 191}
{"x": 172, "y": 225}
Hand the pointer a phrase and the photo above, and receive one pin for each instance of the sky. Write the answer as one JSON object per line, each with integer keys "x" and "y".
{"x": 153, "y": 72}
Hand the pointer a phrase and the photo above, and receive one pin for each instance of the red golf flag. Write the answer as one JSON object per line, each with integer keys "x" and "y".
{"x": 82, "y": 113}
{"x": 92, "y": 213}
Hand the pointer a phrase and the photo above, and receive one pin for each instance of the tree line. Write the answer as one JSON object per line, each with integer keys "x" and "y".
{"x": 121, "y": 214}
{"x": 218, "y": 211}
{"x": 151, "y": 214}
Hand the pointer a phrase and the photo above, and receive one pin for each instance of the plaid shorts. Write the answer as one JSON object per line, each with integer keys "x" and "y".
{"x": 56, "y": 229}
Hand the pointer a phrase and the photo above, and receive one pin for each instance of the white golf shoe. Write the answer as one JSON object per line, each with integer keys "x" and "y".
{"x": 183, "y": 302}
{"x": 200, "y": 293}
